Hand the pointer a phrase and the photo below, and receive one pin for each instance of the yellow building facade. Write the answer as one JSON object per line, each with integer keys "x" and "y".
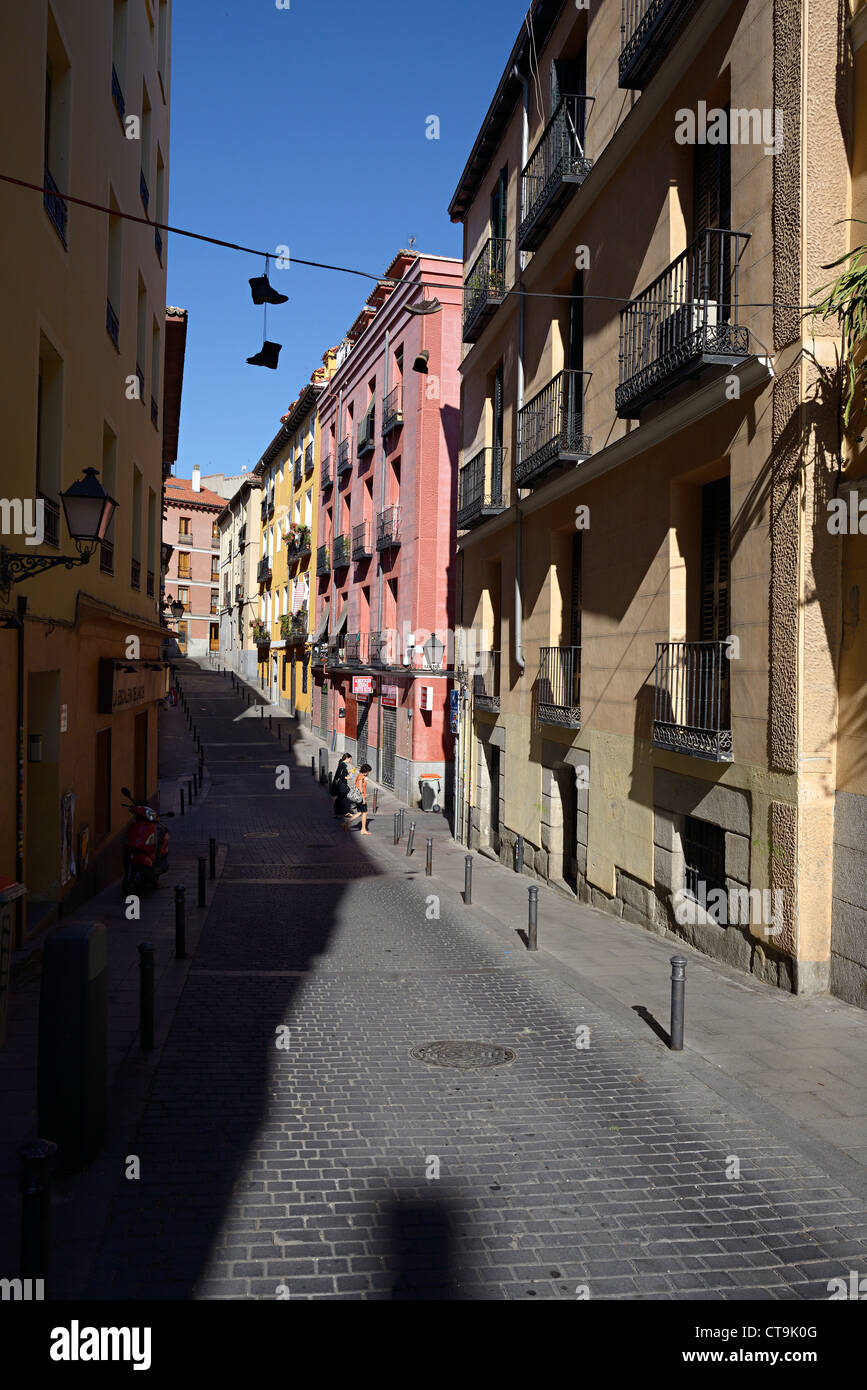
{"x": 85, "y": 88}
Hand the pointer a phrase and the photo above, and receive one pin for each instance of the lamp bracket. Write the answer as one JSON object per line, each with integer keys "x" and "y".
{"x": 15, "y": 568}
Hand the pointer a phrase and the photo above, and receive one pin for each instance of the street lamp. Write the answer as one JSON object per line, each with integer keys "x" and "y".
{"x": 433, "y": 650}
{"x": 88, "y": 510}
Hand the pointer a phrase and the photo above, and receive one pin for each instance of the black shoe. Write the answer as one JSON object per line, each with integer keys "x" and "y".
{"x": 263, "y": 291}
{"x": 267, "y": 357}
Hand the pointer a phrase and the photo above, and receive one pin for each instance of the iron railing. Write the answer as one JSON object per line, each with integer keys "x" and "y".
{"x": 558, "y": 162}
{"x": 323, "y": 562}
{"x": 117, "y": 93}
{"x": 378, "y": 648}
{"x": 106, "y": 557}
{"x": 361, "y": 549}
{"x": 215, "y": 545}
{"x": 388, "y": 528}
{"x": 691, "y": 704}
{"x": 263, "y": 570}
{"x": 559, "y": 688}
{"x": 486, "y": 681}
{"x": 551, "y": 427}
{"x": 185, "y": 537}
{"x": 353, "y": 651}
{"x": 135, "y": 573}
{"x": 485, "y": 287}
{"x": 308, "y": 458}
{"x": 687, "y": 318}
{"x": 263, "y": 509}
{"x": 55, "y": 206}
{"x": 342, "y": 549}
{"x": 648, "y": 30}
{"x": 392, "y": 410}
{"x": 144, "y": 191}
{"x": 480, "y": 487}
{"x": 344, "y": 455}
{"x": 325, "y": 470}
{"x": 50, "y": 520}
{"x": 112, "y": 323}
{"x": 366, "y": 440}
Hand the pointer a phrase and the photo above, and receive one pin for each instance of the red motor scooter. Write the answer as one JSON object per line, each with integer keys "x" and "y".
{"x": 146, "y": 847}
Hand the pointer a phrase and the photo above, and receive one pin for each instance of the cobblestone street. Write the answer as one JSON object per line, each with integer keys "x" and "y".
{"x": 291, "y": 1146}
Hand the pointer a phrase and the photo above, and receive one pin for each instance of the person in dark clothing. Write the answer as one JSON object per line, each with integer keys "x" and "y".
{"x": 340, "y": 788}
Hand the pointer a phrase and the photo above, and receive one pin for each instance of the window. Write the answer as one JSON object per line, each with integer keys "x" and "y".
{"x": 56, "y": 131}
{"x": 183, "y": 629}
{"x": 108, "y": 478}
{"x": 184, "y": 526}
{"x": 118, "y": 55}
{"x": 215, "y": 569}
{"x": 141, "y": 337}
{"x": 102, "y": 786}
{"x": 112, "y": 293}
{"x": 215, "y": 534}
{"x": 214, "y": 642}
{"x": 304, "y": 674}
{"x": 214, "y": 599}
{"x": 49, "y": 436}
{"x": 704, "y": 863}
{"x": 162, "y": 42}
{"x": 155, "y": 371}
{"x": 136, "y": 520}
{"x": 144, "y": 180}
{"x": 499, "y": 214}
{"x": 715, "y": 521}
{"x": 183, "y": 566}
{"x": 184, "y": 597}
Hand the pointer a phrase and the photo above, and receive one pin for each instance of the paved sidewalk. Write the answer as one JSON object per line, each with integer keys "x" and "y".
{"x": 805, "y": 1056}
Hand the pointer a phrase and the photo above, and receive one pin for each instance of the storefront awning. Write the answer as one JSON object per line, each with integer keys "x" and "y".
{"x": 341, "y": 621}
{"x": 323, "y": 624}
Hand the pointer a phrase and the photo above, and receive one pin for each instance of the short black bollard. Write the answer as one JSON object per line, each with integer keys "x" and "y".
{"x": 261, "y": 711}
{"x": 190, "y": 790}
{"x": 468, "y": 879}
{"x": 180, "y": 922}
{"x": 411, "y": 840}
{"x": 146, "y": 996}
{"x": 182, "y": 801}
{"x": 533, "y": 918}
{"x": 519, "y": 854}
{"x": 428, "y": 859}
{"x": 37, "y": 1162}
{"x": 269, "y": 724}
{"x": 212, "y": 855}
{"x": 678, "y": 988}
{"x": 396, "y": 828}
{"x": 202, "y": 880}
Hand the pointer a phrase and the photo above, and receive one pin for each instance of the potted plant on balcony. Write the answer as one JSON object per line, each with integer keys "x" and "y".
{"x": 285, "y": 625}
{"x": 257, "y": 627}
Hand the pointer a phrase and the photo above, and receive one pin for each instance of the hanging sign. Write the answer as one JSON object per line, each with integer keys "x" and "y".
{"x": 129, "y": 684}
{"x": 363, "y": 686}
{"x": 389, "y": 696}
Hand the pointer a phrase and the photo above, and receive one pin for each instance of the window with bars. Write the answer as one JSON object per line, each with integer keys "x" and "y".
{"x": 704, "y": 846}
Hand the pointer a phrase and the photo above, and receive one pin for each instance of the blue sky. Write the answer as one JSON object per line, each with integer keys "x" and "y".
{"x": 306, "y": 127}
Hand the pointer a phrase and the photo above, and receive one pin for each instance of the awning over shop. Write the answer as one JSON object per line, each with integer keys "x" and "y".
{"x": 323, "y": 624}
{"x": 341, "y": 621}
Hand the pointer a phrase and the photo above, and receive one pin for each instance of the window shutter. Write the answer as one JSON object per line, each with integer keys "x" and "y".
{"x": 715, "y": 523}
{"x": 575, "y": 615}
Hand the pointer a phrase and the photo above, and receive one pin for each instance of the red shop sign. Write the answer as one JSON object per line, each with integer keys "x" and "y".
{"x": 363, "y": 685}
{"x": 389, "y": 696}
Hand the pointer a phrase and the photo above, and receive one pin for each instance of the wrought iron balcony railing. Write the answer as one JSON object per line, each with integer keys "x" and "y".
{"x": 388, "y": 528}
{"x": 318, "y": 654}
{"x": 353, "y": 649}
{"x": 648, "y": 31}
{"x": 551, "y": 428}
{"x": 263, "y": 509}
{"x": 185, "y": 537}
{"x": 112, "y": 323}
{"x": 323, "y": 562}
{"x": 117, "y": 93}
{"x": 683, "y": 323}
{"x": 326, "y": 474}
{"x": 559, "y": 688}
{"x": 480, "y": 487}
{"x": 308, "y": 458}
{"x": 361, "y": 549}
{"x": 144, "y": 191}
{"x": 344, "y": 455}
{"x": 557, "y": 165}
{"x": 378, "y": 653}
{"x": 295, "y": 630}
{"x": 366, "y": 440}
{"x": 485, "y": 287}
{"x": 486, "y": 681}
{"x": 135, "y": 573}
{"x": 691, "y": 704}
{"x": 55, "y": 206}
{"x": 50, "y": 519}
{"x": 341, "y": 550}
{"x": 392, "y": 410}
{"x": 106, "y": 557}
{"x": 263, "y": 570}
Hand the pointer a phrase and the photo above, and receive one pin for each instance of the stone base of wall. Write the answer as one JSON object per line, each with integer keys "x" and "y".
{"x": 848, "y": 976}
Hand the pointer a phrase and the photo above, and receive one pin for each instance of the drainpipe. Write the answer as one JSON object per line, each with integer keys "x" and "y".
{"x": 19, "y": 775}
{"x": 519, "y": 607}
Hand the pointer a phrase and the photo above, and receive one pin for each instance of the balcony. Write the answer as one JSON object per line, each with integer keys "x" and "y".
{"x": 144, "y": 191}
{"x": 388, "y": 528}
{"x": 117, "y": 93}
{"x": 377, "y": 648}
{"x": 297, "y": 472}
{"x": 361, "y": 548}
{"x": 551, "y": 428}
{"x": 341, "y": 551}
{"x": 691, "y": 707}
{"x": 215, "y": 545}
{"x": 485, "y": 287}
{"x": 486, "y": 681}
{"x": 263, "y": 571}
{"x": 112, "y": 323}
{"x": 356, "y": 649}
{"x": 480, "y": 488}
{"x": 149, "y": 585}
{"x": 293, "y": 627}
{"x": 323, "y": 563}
{"x": 106, "y": 557}
{"x": 308, "y": 458}
{"x": 298, "y": 542}
{"x": 392, "y": 410}
{"x": 55, "y": 206}
{"x": 559, "y": 687}
{"x": 648, "y": 31}
{"x": 237, "y": 593}
{"x": 271, "y": 503}
{"x": 135, "y": 574}
{"x": 684, "y": 322}
{"x": 366, "y": 440}
{"x": 185, "y": 537}
{"x": 317, "y": 656}
{"x": 557, "y": 165}
{"x": 50, "y": 520}
{"x": 344, "y": 456}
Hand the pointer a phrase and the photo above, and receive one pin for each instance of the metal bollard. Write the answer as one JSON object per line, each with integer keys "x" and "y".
{"x": 212, "y": 855}
{"x": 202, "y": 880}
{"x": 400, "y": 813}
{"x": 261, "y": 711}
{"x": 182, "y": 801}
{"x": 519, "y": 854}
{"x": 468, "y": 879}
{"x": 678, "y": 988}
{"x": 190, "y": 790}
{"x": 313, "y": 767}
{"x": 199, "y": 776}
{"x": 533, "y": 918}
{"x": 180, "y": 922}
{"x": 411, "y": 840}
{"x": 269, "y": 723}
{"x": 146, "y": 996}
{"x": 37, "y": 1162}
{"x": 428, "y": 859}
{"x": 396, "y": 828}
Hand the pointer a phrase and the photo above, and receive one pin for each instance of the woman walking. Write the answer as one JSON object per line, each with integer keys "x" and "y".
{"x": 360, "y": 807}
{"x": 340, "y": 788}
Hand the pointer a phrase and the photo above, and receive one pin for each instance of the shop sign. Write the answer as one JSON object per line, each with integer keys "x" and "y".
{"x": 127, "y": 685}
{"x": 389, "y": 696}
{"x": 363, "y": 686}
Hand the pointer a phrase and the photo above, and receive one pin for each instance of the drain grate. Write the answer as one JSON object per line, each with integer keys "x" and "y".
{"x": 463, "y": 1056}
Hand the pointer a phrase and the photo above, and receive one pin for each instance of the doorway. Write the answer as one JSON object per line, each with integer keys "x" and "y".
{"x": 389, "y": 745}
{"x": 292, "y": 688}
{"x": 275, "y": 681}
{"x": 43, "y": 791}
{"x": 361, "y": 742}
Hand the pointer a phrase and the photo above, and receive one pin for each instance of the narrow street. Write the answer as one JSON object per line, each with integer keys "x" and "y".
{"x": 291, "y": 1146}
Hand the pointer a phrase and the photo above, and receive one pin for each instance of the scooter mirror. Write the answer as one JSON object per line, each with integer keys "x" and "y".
{"x": 126, "y": 791}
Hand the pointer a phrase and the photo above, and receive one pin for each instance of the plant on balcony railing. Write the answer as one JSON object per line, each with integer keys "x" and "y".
{"x": 260, "y": 632}
{"x": 341, "y": 551}
{"x": 551, "y": 427}
{"x": 687, "y": 318}
{"x": 480, "y": 487}
{"x": 293, "y": 626}
{"x": 559, "y": 687}
{"x": 392, "y": 410}
{"x": 846, "y": 300}
{"x": 323, "y": 561}
{"x": 298, "y": 540}
{"x": 366, "y": 441}
{"x": 485, "y": 286}
{"x": 691, "y": 704}
{"x": 558, "y": 162}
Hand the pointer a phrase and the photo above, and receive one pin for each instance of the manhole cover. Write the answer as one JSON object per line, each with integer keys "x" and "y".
{"x": 464, "y": 1056}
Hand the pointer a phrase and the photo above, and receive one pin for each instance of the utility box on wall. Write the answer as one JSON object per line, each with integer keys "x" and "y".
{"x": 72, "y": 1072}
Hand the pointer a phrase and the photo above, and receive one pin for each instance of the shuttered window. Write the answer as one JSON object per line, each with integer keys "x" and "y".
{"x": 575, "y": 603}
{"x": 499, "y": 209}
{"x": 715, "y": 522}
{"x": 711, "y": 208}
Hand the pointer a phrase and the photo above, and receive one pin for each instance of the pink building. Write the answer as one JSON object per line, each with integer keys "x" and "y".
{"x": 190, "y": 514}
{"x": 385, "y": 566}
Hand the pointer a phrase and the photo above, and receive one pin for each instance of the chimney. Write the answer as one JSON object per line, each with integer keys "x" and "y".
{"x": 197, "y": 479}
